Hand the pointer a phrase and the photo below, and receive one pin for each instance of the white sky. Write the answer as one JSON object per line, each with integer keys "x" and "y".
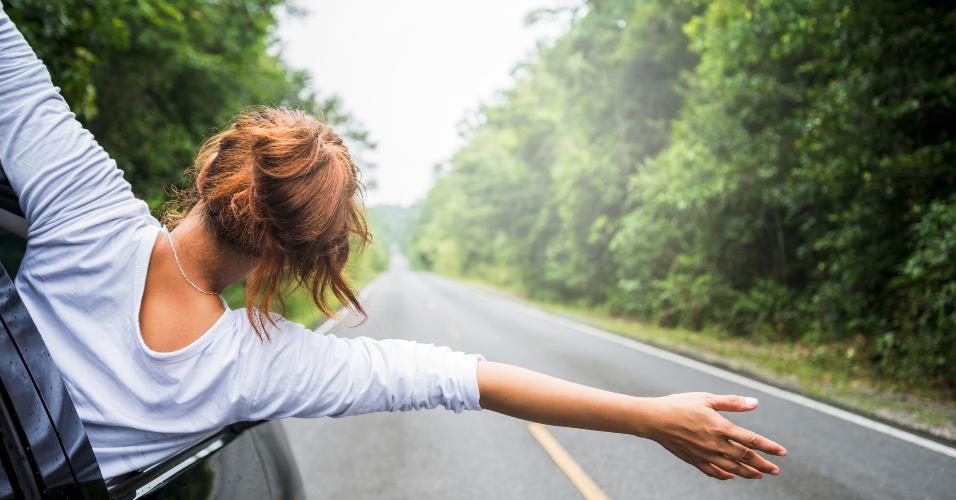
{"x": 410, "y": 71}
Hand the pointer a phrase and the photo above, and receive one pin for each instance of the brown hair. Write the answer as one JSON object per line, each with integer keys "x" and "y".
{"x": 280, "y": 185}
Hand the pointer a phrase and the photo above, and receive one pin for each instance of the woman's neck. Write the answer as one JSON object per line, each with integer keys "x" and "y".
{"x": 207, "y": 262}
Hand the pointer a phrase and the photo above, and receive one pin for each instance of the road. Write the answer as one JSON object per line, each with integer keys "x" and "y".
{"x": 438, "y": 454}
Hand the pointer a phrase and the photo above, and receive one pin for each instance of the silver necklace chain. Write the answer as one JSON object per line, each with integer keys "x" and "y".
{"x": 180, "y": 266}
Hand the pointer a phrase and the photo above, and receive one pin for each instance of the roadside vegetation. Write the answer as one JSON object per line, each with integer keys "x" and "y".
{"x": 779, "y": 176}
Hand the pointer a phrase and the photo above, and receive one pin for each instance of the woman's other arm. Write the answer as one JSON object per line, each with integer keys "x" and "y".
{"x": 687, "y": 425}
{"x": 55, "y": 166}
{"x": 298, "y": 373}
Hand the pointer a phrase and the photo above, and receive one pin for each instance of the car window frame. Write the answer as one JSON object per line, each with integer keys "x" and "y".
{"x": 155, "y": 477}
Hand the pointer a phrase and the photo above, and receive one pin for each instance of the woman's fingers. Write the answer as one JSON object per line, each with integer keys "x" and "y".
{"x": 733, "y": 403}
{"x": 756, "y": 441}
{"x": 713, "y": 471}
{"x": 734, "y": 467}
{"x": 749, "y": 457}
{"x": 739, "y": 434}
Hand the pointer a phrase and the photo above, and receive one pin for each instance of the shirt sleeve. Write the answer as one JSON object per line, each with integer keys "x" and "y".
{"x": 299, "y": 373}
{"x": 54, "y": 165}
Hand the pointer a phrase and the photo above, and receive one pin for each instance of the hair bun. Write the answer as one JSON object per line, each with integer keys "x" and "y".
{"x": 281, "y": 186}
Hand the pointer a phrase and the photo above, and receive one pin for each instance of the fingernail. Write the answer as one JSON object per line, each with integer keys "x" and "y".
{"x": 751, "y": 401}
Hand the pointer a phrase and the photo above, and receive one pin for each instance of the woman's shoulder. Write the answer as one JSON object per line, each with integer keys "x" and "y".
{"x": 278, "y": 328}
{"x": 285, "y": 341}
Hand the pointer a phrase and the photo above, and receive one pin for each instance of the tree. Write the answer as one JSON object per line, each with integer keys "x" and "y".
{"x": 779, "y": 169}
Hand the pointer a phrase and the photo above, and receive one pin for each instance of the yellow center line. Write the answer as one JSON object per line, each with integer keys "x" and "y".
{"x": 580, "y": 479}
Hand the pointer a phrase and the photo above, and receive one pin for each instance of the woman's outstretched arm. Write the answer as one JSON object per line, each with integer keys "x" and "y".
{"x": 59, "y": 172}
{"x": 687, "y": 425}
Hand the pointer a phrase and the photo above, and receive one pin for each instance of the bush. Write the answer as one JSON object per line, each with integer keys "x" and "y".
{"x": 922, "y": 343}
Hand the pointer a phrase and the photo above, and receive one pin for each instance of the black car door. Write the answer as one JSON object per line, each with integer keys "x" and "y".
{"x": 46, "y": 451}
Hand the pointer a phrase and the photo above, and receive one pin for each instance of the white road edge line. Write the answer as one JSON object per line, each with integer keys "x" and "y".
{"x": 364, "y": 294}
{"x": 728, "y": 375}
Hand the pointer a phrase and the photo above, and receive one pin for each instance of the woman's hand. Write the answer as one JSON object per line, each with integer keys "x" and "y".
{"x": 689, "y": 426}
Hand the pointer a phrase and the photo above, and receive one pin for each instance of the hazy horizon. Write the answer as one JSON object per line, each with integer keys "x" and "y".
{"x": 410, "y": 73}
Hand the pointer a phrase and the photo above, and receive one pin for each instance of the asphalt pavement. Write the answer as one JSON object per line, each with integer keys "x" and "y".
{"x": 484, "y": 455}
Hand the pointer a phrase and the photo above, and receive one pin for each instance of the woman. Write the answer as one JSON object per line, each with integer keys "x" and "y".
{"x": 153, "y": 358}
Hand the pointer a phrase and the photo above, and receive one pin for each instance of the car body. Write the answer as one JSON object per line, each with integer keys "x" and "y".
{"x": 45, "y": 451}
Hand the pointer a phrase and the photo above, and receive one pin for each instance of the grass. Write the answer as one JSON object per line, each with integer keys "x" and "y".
{"x": 826, "y": 371}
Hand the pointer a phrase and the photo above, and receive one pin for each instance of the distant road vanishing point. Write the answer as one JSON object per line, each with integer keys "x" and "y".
{"x": 483, "y": 455}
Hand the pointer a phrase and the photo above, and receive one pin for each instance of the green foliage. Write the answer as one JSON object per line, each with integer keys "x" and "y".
{"x": 153, "y": 78}
{"x": 774, "y": 169}
{"x": 921, "y": 341}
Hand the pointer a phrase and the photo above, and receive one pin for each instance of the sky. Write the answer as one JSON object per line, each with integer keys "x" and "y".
{"x": 410, "y": 71}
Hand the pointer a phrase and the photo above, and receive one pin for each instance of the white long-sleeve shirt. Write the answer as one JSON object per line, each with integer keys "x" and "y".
{"x": 89, "y": 243}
